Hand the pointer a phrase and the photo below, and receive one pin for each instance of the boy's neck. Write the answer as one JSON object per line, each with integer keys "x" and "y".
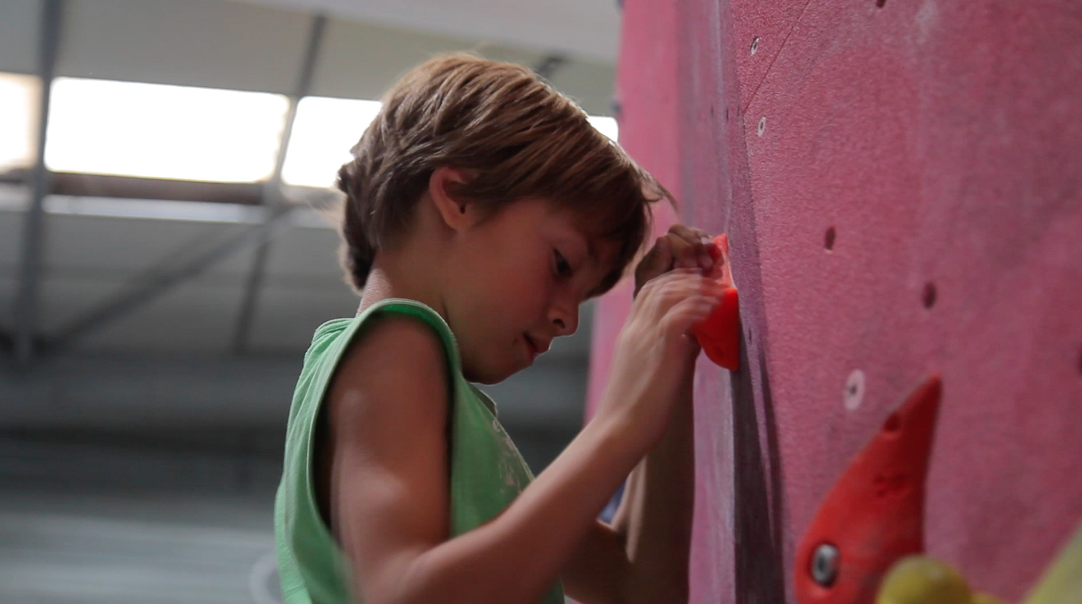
{"x": 388, "y": 279}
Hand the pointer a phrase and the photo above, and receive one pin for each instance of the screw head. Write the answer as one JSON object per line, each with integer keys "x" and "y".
{"x": 824, "y": 564}
{"x": 762, "y": 126}
{"x": 754, "y": 44}
{"x": 854, "y": 390}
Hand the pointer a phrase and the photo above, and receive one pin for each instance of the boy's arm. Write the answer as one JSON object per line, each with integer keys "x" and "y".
{"x": 644, "y": 556}
{"x": 656, "y": 512}
{"x": 389, "y": 475}
{"x": 389, "y": 486}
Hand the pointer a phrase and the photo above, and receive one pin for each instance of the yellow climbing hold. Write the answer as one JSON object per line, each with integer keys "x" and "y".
{"x": 1062, "y": 582}
{"x": 923, "y": 580}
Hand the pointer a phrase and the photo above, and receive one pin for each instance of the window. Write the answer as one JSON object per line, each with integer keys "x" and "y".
{"x": 606, "y": 125}
{"x": 18, "y": 121}
{"x": 161, "y": 131}
{"x": 324, "y": 131}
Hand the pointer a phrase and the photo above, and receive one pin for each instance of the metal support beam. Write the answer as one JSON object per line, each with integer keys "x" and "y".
{"x": 145, "y": 290}
{"x": 26, "y": 303}
{"x": 272, "y": 192}
{"x": 549, "y": 65}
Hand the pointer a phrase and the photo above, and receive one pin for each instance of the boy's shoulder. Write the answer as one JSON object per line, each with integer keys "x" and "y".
{"x": 391, "y": 357}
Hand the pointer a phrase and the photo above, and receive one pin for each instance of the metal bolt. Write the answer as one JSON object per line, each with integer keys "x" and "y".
{"x": 854, "y": 390}
{"x": 824, "y": 565}
{"x": 762, "y": 125}
{"x": 754, "y": 44}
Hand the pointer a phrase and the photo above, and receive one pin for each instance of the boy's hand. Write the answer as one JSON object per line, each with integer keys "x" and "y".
{"x": 655, "y": 350}
{"x": 681, "y": 247}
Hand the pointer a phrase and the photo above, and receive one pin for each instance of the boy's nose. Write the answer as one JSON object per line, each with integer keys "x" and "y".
{"x": 566, "y": 322}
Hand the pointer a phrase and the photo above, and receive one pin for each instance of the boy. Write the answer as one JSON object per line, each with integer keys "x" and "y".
{"x": 482, "y": 209}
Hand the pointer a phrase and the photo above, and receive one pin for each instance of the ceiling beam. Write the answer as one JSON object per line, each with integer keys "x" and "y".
{"x": 272, "y": 191}
{"x": 157, "y": 282}
{"x": 549, "y": 65}
{"x": 26, "y": 304}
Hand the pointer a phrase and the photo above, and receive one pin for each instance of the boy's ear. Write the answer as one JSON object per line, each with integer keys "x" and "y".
{"x": 456, "y": 212}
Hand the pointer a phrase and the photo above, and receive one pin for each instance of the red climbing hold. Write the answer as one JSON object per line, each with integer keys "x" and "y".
{"x": 719, "y": 334}
{"x": 874, "y": 515}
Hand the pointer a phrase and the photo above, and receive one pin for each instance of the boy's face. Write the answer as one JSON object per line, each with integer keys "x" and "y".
{"x": 518, "y": 280}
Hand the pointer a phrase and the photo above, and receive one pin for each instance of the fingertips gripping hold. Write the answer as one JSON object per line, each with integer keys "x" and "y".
{"x": 719, "y": 334}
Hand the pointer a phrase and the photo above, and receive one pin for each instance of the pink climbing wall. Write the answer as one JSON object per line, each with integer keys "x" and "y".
{"x": 902, "y": 186}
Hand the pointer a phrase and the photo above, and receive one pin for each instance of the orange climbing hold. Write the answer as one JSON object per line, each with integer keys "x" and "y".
{"x": 719, "y": 334}
{"x": 874, "y": 515}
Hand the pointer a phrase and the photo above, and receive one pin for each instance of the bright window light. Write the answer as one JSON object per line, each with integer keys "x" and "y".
{"x": 324, "y": 131}
{"x": 18, "y": 120}
{"x": 160, "y": 131}
{"x": 606, "y": 125}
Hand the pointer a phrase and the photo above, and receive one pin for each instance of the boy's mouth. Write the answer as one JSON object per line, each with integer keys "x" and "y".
{"x": 535, "y": 347}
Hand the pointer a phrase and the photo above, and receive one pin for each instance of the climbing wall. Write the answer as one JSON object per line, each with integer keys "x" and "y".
{"x": 901, "y": 181}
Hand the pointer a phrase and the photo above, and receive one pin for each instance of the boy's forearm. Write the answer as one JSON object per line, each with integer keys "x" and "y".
{"x": 516, "y": 556}
{"x": 656, "y": 513}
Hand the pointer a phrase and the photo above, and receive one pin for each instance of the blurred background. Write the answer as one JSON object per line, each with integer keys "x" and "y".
{"x": 163, "y": 265}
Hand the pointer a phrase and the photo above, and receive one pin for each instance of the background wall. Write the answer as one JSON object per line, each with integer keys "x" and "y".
{"x": 900, "y": 182}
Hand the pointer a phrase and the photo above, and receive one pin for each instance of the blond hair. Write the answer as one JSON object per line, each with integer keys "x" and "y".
{"x": 513, "y": 132}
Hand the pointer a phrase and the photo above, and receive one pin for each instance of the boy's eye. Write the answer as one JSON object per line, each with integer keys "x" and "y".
{"x": 563, "y": 268}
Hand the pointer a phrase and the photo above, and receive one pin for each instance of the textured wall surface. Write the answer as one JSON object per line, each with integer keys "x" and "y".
{"x": 902, "y": 186}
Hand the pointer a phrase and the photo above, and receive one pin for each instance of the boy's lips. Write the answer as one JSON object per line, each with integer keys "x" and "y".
{"x": 537, "y": 345}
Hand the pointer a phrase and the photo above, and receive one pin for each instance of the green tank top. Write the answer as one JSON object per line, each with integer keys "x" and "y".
{"x": 487, "y": 471}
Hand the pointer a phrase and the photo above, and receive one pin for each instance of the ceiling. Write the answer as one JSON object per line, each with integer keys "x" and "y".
{"x": 587, "y": 29}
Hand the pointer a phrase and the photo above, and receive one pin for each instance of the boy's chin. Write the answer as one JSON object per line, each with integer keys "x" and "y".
{"x": 493, "y": 374}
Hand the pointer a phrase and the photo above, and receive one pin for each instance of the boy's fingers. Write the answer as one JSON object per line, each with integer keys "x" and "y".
{"x": 683, "y": 284}
{"x": 657, "y": 261}
{"x": 685, "y": 252}
{"x": 672, "y": 282}
{"x": 690, "y": 233}
{"x": 708, "y": 252}
{"x": 648, "y": 281}
{"x": 687, "y": 313}
{"x": 699, "y": 251}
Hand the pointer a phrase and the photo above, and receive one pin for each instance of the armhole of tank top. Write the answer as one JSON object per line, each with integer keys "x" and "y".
{"x": 355, "y": 330}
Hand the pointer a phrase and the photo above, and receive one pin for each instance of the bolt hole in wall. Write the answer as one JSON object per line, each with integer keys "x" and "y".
{"x": 929, "y": 295}
{"x": 828, "y": 241}
{"x": 853, "y": 394}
